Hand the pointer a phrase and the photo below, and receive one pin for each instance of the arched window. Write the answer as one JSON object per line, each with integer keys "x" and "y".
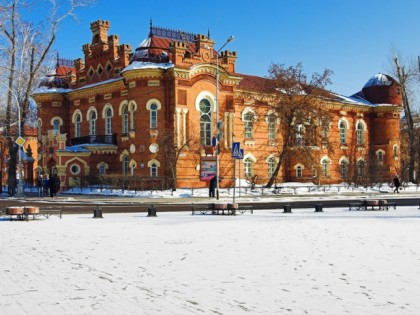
{"x": 299, "y": 171}
{"x": 153, "y": 170}
{"x": 360, "y": 168}
{"x": 300, "y": 141}
{"x": 325, "y": 168}
{"x": 380, "y": 157}
{"x": 133, "y": 107}
{"x": 359, "y": 130}
{"x": 205, "y": 122}
{"x": 248, "y": 167}
{"x": 153, "y": 116}
{"x": 271, "y": 120}
{"x": 271, "y": 166}
{"x": 343, "y": 132}
{"x": 102, "y": 170}
{"x": 92, "y": 123}
{"x": 108, "y": 121}
{"x": 56, "y": 126}
{"x": 125, "y": 119}
{"x": 77, "y": 125}
{"x": 395, "y": 151}
{"x": 344, "y": 169}
{"x": 125, "y": 165}
{"x": 249, "y": 124}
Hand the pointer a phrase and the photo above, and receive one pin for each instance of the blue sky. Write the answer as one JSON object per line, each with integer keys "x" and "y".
{"x": 354, "y": 38}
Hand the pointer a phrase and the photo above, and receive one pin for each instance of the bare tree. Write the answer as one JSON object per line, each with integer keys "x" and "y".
{"x": 25, "y": 47}
{"x": 173, "y": 152}
{"x": 298, "y": 104}
{"x": 405, "y": 75}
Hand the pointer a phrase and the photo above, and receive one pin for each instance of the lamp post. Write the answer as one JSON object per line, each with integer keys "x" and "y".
{"x": 20, "y": 184}
{"x": 217, "y": 114}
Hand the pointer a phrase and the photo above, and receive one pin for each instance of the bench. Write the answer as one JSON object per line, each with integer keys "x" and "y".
{"x": 217, "y": 209}
{"x": 24, "y": 213}
{"x": 49, "y": 212}
{"x": 375, "y": 204}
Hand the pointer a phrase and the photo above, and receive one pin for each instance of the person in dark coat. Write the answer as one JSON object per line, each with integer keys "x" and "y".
{"x": 212, "y": 187}
{"x": 52, "y": 184}
{"x": 397, "y": 184}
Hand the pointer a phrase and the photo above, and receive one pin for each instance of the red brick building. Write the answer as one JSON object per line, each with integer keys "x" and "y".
{"x": 151, "y": 114}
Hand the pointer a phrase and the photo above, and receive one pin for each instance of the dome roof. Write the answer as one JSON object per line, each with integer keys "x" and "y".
{"x": 381, "y": 79}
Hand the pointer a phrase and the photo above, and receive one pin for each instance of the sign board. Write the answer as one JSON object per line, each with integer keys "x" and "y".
{"x": 208, "y": 169}
{"x": 236, "y": 150}
{"x": 20, "y": 141}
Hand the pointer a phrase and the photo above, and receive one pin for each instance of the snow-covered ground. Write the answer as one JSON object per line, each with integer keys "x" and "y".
{"x": 269, "y": 262}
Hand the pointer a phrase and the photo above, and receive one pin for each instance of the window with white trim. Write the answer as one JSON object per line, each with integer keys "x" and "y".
{"x": 125, "y": 165}
{"x": 125, "y": 119}
{"x": 153, "y": 170}
{"x": 77, "y": 125}
{"x": 272, "y": 119}
{"x": 108, "y": 121}
{"x": 153, "y": 115}
{"x": 92, "y": 123}
{"x": 299, "y": 171}
{"x": 249, "y": 125}
{"x": 360, "y": 131}
{"x": 271, "y": 166}
{"x": 343, "y": 132}
{"x": 205, "y": 122}
{"x": 56, "y": 126}
{"x": 344, "y": 168}
{"x": 248, "y": 167}
{"x": 325, "y": 168}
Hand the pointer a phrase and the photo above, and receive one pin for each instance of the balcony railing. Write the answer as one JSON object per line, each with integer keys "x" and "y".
{"x": 95, "y": 139}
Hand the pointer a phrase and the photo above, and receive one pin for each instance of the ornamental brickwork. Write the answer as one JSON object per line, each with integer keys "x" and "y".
{"x": 150, "y": 114}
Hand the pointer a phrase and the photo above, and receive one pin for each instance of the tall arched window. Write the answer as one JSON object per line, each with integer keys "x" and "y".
{"x": 125, "y": 119}
{"x": 125, "y": 165}
{"x": 92, "y": 123}
{"x": 395, "y": 151}
{"x": 271, "y": 166}
{"x": 205, "y": 122}
{"x": 343, "y": 132}
{"x": 359, "y": 130}
{"x": 344, "y": 169}
{"x": 360, "y": 168}
{"x": 249, "y": 124}
{"x": 153, "y": 170}
{"x": 299, "y": 171}
{"x": 108, "y": 121}
{"x": 380, "y": 157}
{"x": 248, "y": 167}
{"x": 271, "y": 119}
{"x": 56, "y": 126}
{"x": 325, "y": 168}
{"x": 77, "y": 125}
{"x": 153, "y": 116}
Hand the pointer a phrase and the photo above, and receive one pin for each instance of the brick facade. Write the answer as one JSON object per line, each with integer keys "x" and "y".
{"x": 141, "y": 114}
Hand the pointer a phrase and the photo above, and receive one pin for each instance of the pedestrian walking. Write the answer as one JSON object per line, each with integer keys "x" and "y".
{"x": 39, "y": 186}
{"x": 397, "y": 184}
{"x": 46, "y": 184}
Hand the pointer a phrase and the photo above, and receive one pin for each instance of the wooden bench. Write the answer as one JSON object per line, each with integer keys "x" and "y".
{"x": 49, "y": 212}
{"x": 217, "y": 209}
{"x": 26, "y": 212}
{"x": 375, "y": 204}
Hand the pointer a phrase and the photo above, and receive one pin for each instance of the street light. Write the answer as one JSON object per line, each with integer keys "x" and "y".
{"x": 20, "y": 184}
{"x": 217, "y": 114}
